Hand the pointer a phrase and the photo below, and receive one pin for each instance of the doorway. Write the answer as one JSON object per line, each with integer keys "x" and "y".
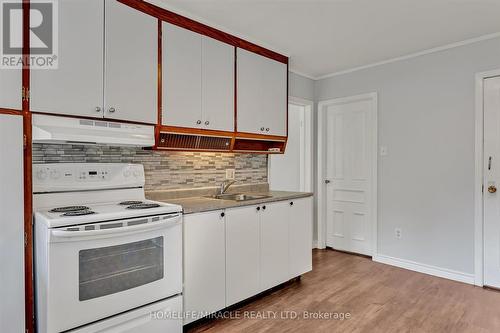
{"x": 347, "y": 173}
{"x": 292, "y": 171}
{"x": 491, "y": 181}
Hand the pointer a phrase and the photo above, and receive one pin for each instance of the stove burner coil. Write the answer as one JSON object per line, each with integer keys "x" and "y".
{"x": 68, "y": 209}
{"x": 143, "y": 206}
{"x": 79, "y": 213}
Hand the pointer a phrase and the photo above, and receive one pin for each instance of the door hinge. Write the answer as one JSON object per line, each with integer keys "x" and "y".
{"x": 25, "y": 240}
{"x": 25, "y": 141}
{"x": 26, "y": 94}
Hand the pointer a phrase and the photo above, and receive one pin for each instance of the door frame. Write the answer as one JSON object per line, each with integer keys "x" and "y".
{"x": 321, "y": 167}
{"x": 478, "y": 176}
{"x": 306, "y": 181}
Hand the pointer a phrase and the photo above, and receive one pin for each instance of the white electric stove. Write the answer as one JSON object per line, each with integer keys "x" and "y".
{"x": 105, "y": 257}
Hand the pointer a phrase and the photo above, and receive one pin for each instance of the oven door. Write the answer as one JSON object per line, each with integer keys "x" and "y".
{"x": 99, "y": 270}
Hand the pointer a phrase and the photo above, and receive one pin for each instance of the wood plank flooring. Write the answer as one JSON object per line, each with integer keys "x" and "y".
{"x": 378, "y": 297}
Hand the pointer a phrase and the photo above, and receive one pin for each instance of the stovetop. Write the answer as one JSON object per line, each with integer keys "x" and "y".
{"x": 100, "y": 212}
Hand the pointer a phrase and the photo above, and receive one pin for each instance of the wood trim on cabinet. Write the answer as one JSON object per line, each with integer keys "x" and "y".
{"x": 195, "y": 131}
{"x": 243, "y": 135}
{"x": 235, "y": 90}
{"x": 160, "y": 85}
{"x": 28, "y": 187}
{"x": 187, "y": 23}
{"x": 11, "y": 111}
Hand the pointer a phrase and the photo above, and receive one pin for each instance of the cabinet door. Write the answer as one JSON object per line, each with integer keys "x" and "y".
{"x": 181, "y": 79}
{"x": 262, "y": 94}
{"x": 76, "y": 87}
{"x": 242, "y": 254}
{"x": 217, "y": 85}
{"x": 300, "y": 227}
{"x": 10, "y": 89}
{"x": 204, "y": 263}
{"x": 131, "y": 67}
{"x": 274, "y": 244}
{"x": 11, "y": 224}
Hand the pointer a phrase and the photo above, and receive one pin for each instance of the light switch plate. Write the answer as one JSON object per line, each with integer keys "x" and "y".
{"x": 230, "y": 174}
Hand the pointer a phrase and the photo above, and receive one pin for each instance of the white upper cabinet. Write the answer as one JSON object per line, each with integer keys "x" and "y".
{"x": 198, "y": 80}
{"x": 131, "y": 64}
{"x": 181, "y": 78}
{"x": 262, "y": 94}
{"x": 130, "y": 69}
{"x": 217, "y": 85}
{"x": 10, "y": 89}
{"x": 76, "y": 87}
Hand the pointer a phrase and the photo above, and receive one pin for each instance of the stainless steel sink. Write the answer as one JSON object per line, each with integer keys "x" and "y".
{"x": 239, "y": 196}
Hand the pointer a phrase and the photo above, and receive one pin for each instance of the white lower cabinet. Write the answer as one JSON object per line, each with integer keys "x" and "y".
{"x": 204, "y": 264}
{"x": 300, "y": 224}
{"x": 236, "y": 253}
{"x": 274, "y": 246}
{"x": 242, "y": 254}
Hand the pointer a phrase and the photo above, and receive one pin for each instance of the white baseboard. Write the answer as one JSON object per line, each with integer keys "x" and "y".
{"x": 315, "y": 244}
{"x": 426, "y": 269}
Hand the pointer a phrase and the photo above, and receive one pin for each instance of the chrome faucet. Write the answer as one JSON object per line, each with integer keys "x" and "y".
{"x": 224, "y": 186}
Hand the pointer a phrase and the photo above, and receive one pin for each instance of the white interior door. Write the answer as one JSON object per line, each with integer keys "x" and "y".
{"x": 491, "y": 182}
{"x": 287, "y": 171}
{"x": 349, "y": 176}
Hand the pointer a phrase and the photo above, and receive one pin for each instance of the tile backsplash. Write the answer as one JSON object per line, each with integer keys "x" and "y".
{"x": 164, "y": 170}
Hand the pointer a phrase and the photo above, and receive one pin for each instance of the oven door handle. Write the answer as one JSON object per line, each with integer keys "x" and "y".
{"x": 162, "y": 224}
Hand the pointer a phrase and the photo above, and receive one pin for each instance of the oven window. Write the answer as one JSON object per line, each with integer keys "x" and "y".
{"x": 108, "y": 270}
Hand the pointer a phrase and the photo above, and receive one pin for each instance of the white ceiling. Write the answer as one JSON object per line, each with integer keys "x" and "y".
{"x": 329, "y": 36}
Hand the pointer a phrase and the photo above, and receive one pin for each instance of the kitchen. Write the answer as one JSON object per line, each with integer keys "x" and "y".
{"x": 162, "y": 173}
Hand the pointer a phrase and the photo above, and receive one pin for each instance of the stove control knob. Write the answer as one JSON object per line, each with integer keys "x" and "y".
{"x": 42, "y": 174}
{"x": 55, "y": 174}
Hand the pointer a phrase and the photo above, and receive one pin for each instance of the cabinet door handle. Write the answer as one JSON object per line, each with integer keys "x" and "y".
{"x": 97, "y": 109}
{"x": 207, "y": 123}
{"x": 264, "y": 207}
{"x": 112, "y": 110}
{"x": 262, "y": 129}
{"x": 267, "y": 129}
{"x": 198, "y": 122}
{"x": 291, "y": 203}
{"x": 258, "y": 208}
{"x": 222, "y": 214}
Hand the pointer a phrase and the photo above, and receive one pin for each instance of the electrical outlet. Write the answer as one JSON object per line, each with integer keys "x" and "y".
{"x": 230, "y": 174}
{"x": 398, "y": 233}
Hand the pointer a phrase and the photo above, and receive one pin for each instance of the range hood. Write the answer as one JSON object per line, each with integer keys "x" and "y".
{"x": 53, "y": 129}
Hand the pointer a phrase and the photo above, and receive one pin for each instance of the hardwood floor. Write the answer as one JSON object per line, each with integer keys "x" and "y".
{"x": 378, "y": 297}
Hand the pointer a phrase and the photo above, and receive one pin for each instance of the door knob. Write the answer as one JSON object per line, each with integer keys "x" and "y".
{"x": 327, "y": 181}
{"x": 492, "y": 189}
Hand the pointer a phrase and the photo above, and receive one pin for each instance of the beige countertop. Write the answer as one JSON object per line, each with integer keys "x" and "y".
{"x": 204, "y": 204}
